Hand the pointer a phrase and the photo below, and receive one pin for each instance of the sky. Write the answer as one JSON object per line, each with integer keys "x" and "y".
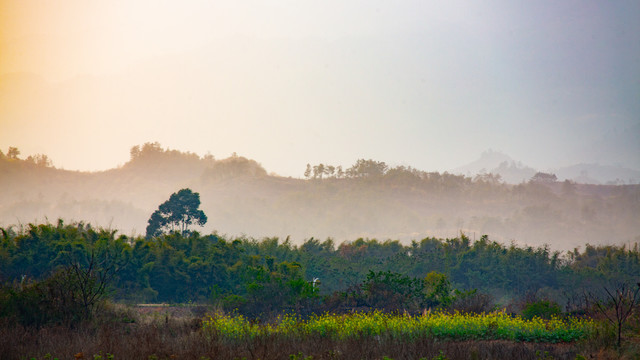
{"x": 430, "y": 84}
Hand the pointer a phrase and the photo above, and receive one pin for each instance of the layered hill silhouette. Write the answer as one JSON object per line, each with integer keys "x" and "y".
{"x": 369, "y": 200}
{"x": 515, "y": 172}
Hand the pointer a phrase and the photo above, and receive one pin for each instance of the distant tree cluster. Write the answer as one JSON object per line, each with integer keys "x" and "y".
{"x": 545, "y": 178}
{"x": 378, "y": 169}
{"x": 151, "y": 150}
{"x": 320, "y": 171}
{"x": 361, "y": 169}
{"x": 13, "y": 154}
{"x": 233, "y": 167}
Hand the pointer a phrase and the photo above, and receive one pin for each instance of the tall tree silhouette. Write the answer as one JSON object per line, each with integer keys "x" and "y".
{"x": 177, "y": 214}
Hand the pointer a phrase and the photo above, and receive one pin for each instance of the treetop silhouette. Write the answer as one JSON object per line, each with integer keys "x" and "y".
{"x": 177, "y": 214}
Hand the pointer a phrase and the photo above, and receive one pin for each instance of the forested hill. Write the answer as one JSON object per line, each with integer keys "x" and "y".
{"x": 368, "y": 200}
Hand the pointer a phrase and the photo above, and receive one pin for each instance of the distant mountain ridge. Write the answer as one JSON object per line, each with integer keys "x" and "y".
{"x": 515, "y": 172}
{"x": 368, "y": 200}
{"x": 496, "y": 162}
{"x": 599, "y": 174}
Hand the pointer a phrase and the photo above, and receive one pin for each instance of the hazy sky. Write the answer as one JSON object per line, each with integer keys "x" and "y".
{"x": 422, "y": 83}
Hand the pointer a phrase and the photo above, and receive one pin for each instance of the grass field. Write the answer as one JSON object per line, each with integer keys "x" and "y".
{"x": 127, "y": 333}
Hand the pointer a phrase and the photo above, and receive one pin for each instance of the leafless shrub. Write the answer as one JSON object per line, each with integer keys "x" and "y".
{"x": 617, "y": 304}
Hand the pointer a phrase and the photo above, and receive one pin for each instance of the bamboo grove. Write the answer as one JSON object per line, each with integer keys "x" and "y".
{"x": 270, "y": 276}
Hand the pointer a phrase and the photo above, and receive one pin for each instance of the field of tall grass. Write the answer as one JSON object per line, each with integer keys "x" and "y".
{"x": 124, "y": 333}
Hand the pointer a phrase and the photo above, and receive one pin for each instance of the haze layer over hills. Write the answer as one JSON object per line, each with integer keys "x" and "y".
{"x": 369, "y": 199}
{"x": 515, "y": 172}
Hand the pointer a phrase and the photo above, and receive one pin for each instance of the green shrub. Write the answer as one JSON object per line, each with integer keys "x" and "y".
{"x": 544, "y": 309}
{"x": 57, "y": 299}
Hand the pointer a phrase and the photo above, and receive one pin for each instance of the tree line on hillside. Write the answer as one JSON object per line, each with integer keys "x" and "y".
{"x": 269, "y": 275}
{"x": 367, "y": 199}
{"x": 377, "y": 169}
{"x": 152, "y": 154}
{"x": 13, "y": 155}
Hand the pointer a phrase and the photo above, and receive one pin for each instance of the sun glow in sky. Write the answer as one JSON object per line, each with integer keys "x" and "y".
{"x": 427, "y": 84}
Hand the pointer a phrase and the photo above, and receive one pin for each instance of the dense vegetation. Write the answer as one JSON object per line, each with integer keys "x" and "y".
{"x": 60, "y": 274}
{"x": 265, "y": 275}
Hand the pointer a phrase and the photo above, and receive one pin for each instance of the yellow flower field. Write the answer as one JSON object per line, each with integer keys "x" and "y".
{"x": 496, "y": 325}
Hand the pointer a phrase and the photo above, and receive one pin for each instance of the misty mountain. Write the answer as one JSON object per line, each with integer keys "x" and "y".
{"x": 367, "y": 200}
{"x": 495, "y": 162}
{"x": 515, "y": 172}
{"x": 598, "y": 174}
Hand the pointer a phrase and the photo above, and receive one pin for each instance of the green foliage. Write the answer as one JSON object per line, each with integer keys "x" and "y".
{"x": 300, "y": 356}
{"x": 440, "y": 356}
{"x": 545, "y": 309}
{"x": 270, "y": 276}
{"x": 50, "y": 252}
{"x": 396, "y": 292}
{"x": 273, "y": 287}
{"x": 58, "y": 273}
{"x": 56, "y": 300}
{"x": 438, "y": 290}
{"x": 177, "y": 214}
{"x": 107, "y": 356}
{"x": 393, "y": 291}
